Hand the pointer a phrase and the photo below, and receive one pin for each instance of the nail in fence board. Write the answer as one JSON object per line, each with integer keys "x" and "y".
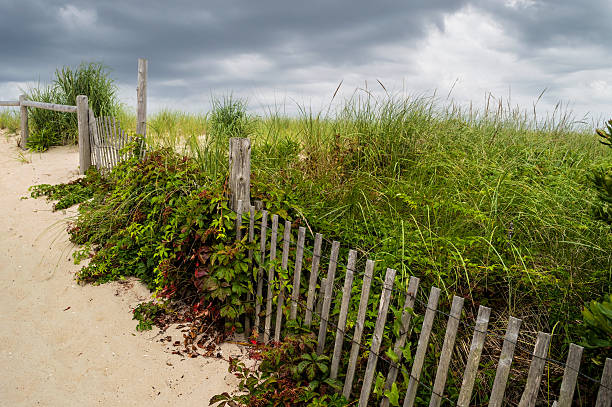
{"x": 538, "y": 362}
{"x": 346, "y": 297}
{"x": 604, "y": 396}
{"x": 280, "y": 302}
{"x": 413, "y": 286}
{"x": 568, "y": 385}
{"x": 505, "y": 361}
{"x": 247, "y": 320}
{"x": 328, "y": 295}
{"x": 297, "y": 275}
{"x": 260, "y": 272}
{"x": 361, "y": 314}
{"x": 312, "y": 283}
{"x": 471, "y": 367}
{"x": 447, "y": 351}
{"x": 273, "y": 239}
{"x": 385, "y": 299}
{"x": 419, "y": 356}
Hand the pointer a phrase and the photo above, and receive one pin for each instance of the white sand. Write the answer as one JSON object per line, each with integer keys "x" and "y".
{"x": 62, "y": 344}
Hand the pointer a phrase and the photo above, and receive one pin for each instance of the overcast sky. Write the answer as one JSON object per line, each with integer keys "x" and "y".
{"x": 283, "y": 53}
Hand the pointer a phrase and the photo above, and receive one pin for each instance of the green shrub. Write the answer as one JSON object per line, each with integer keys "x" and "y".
{"x": 51, "y": 128}
{"x": 597, "y": 318}
{"x": 602, "y": 180}
{"x": 146, "y": 313}
{"x": 229, "y": 118}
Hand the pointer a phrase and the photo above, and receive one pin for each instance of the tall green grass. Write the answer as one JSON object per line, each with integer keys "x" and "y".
{"x": 492, "y": 204}
{"x": 10, "y": 120}
{"x": 49, "y": 128}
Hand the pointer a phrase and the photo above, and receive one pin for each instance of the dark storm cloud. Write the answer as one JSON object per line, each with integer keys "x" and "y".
{"x": 194, "y": 47}
{"x": 173, "y": 34}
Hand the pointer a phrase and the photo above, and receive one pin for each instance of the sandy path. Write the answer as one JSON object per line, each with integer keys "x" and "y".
{"x": 62, "y": 344}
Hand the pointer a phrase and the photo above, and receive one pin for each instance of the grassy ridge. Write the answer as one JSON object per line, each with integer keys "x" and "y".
{"x": 494, "y": 205}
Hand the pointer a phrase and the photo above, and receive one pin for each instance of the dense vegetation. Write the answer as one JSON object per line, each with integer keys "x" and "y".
{"x": 492, "y": 206}
{"x": 49, "y": 128}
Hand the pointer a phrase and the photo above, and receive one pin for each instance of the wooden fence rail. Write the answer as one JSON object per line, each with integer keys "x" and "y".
{"x": 82, "y": 111}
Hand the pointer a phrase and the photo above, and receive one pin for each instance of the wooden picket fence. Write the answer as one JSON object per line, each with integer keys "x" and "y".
{"x": 316, "y": 299}
{"x": 108, "y": 141}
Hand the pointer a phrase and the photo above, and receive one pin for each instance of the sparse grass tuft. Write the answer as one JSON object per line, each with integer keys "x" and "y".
{"x": 10, "y": 120}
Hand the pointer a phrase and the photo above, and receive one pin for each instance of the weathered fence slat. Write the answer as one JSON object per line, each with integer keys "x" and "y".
{"x": 107, "y": 141}
{"x": 505, "y": 361}
{"x": 239, "y": 221}
{"x": 361, "y": 314}
{"x": 141, "y": 97}
{"x": 314, "y": 275}
{"x": 260, "y": 272}
{"x": 273, "y": 241}
{"x": 92, "y": 139}
{"x": 538, "y": 362}
{"x": 385, "y": 299}
{"x": 320, "y": 297}
{"x": 114, "y": 142}
{"x": 471, "y": 366}
{"x": 570, "y": 375}
{"x": 49, "y": 106}
{"x": 328, "y": 295}
{"x": 381, "y": 320}
{"x": 9, "y": 103}
{"x": 280, "y": 301}
{"x": 247, "y": 319}
{"x": 23, "y": 110}
{"x": 340, "y": 329}
{"x": 413, "y": 286}
{"x": 419, "y": 356}
{"x": 604, "y": 396}
{"x": 240, "y": 171}
{"x": 447, "y": 351}
{"x": 98, "y": 141}
{"x": 82, "y": 112}
{"x": 297, "y": 274}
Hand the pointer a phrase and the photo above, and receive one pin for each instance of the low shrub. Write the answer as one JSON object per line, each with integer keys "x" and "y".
{"x": 50, "y": 128}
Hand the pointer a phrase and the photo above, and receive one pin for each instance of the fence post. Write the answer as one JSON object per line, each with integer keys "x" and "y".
{"x": 24, "y": 122}
{"x": 240, "y": 172}
{"x": 141, "y": 97}
{"x": 83, "y": 122}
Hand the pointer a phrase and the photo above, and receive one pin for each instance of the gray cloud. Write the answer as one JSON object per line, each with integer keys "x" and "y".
{"x": 270, "y": 50}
